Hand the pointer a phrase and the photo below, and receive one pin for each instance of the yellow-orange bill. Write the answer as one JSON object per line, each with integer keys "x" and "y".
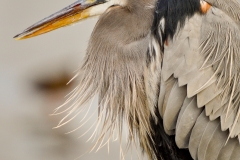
{"x": 71, "y": 14}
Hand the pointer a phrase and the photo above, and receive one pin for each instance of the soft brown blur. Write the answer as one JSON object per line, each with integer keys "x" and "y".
{"x": 32, "y": 84}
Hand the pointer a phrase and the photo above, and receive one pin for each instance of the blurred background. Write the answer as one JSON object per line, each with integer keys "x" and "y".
{"x": 34, "y": 73}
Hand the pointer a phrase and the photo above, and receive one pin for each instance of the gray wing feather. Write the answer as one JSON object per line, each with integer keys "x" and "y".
{"x": 227, "y": 121}
{"x": 200, "y": 82}
{"x": 184, "y": 79}
{"x": 224, "y": 59}
{"x": 168, "y": 87}
{"x": 207, "y": 95}
{"x": 203, "y": 58}
{"x": 226, "y": 151}
{"x": 207, "y": 135}
{"x": 214, "y": 105}
{"x": 235, "y": 154}
{"x": 174, "y": 104}
{"x": 161, "y": 96}
{"x": 196, "y": 134}
{"x": 182, "y": 69}
{"x": 216, "y": 143}
{"x": 186, "y": 121}
{"x": 217, "y": 114}
{"x": 184, "y": 106}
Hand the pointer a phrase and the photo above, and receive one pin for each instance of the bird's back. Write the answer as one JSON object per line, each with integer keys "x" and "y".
{"x": 198, "y": 93}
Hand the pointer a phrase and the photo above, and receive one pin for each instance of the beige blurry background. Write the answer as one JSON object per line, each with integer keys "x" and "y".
{"x": 26, "y": 99}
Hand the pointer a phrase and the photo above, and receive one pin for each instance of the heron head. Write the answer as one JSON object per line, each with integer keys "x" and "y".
{"x": 73, "y": 13}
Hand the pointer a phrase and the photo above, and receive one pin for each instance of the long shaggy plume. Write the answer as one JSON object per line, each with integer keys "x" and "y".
{"x": 115, "y": 68}
{"x": 119, "y": 81}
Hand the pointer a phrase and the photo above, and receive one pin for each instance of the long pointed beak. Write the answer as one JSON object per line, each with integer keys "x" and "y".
{"x": 68, "y": 15}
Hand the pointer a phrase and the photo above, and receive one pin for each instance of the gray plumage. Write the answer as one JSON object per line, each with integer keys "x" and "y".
{"x": 195, "y": 81}
{"x": 164, "y": 63}
{"x": 116, "y": 72}
{"x": 204, "y": 56}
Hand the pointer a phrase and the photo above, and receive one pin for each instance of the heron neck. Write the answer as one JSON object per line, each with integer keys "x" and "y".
{"x": 143, "y": 11}
{"x": 140, "y": 4}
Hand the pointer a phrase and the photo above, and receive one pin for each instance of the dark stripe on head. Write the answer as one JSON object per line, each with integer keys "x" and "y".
{"x": 174, "y": 12}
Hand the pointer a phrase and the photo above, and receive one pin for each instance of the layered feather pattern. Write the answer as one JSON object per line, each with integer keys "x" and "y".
{"x": 183, "y": 77}
{"x": 203, "y": 59}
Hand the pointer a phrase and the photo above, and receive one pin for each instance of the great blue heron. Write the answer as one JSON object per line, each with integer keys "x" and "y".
{"x": 166, "y": 67}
